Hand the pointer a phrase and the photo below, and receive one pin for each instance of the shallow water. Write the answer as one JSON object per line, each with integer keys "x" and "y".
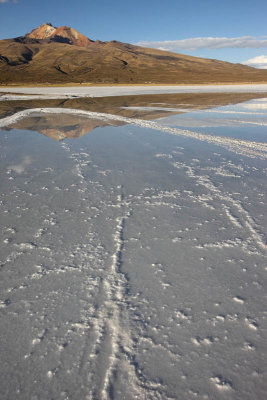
{"x": 242, "y": 121}
{"x": 133, "y": 258}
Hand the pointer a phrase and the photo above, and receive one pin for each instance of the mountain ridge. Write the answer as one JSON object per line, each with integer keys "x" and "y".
{"x": 50, "y": 55}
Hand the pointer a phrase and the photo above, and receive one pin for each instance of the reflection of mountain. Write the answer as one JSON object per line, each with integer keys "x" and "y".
{"x": 60, "y": 126}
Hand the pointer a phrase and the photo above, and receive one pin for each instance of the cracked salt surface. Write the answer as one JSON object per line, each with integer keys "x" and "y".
{"x": 132, "y": 266}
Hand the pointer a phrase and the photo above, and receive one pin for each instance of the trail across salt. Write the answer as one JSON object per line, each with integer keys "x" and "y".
{"x": 245, "y": 147}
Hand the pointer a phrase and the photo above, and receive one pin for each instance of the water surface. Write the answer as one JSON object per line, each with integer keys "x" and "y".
{"x": 133, "y": 253}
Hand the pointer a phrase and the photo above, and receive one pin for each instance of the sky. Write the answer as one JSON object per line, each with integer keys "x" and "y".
{"x": 229, "y": 30}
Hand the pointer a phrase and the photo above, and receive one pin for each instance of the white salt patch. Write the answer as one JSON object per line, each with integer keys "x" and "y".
{"x": 231, "y": 217}
{"x": 26, "y": 246}
{"x": 207, "y": 341}
{"x": 11, "y": 230}
{"x": 221, "y": 383}
{"x": 251, "y": 323}
{"x": 238, "y": 299}
{"x": 45, "y": 248}
{"x": 162, "y": 155}
{"x": 36, "y": 276}
{"x": 248, "y": 347}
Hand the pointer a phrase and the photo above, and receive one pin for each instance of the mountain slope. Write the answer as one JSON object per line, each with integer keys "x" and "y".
{"x": 63, "y": 55}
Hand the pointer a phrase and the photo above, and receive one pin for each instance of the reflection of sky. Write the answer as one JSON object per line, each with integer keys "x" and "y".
{"x": 202, "y": 120}
{"x": 234, "y": 121}
{"x": 238, "y": 121}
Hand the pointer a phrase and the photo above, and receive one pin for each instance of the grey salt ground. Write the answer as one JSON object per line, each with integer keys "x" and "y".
{"x": 132, "y": 267}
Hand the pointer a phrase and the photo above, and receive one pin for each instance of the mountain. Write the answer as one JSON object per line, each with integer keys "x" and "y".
{"x": 63, "y": 34}
{"x": 50, "y": 55}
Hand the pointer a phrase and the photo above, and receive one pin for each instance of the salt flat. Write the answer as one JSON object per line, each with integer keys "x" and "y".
{"x": 133, "y": 259}
{"x": 100, "y": 91}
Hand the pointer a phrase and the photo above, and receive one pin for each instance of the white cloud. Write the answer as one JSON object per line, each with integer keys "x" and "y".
{"x": 19, "y": 168}
{"x": 207, "y": 43}
{"x": 255, "y": 106}
{"x": 258, "y": 62}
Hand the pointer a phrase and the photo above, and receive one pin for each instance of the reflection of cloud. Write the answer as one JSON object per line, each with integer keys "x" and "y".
{"x": 19, "y": 168}
{"x": 255, "y": 106}
{"x": 262, "y": 100}
{"x": 7, "y": 1}
{"x": 258, "y": 62}
{"x": 208, "y": 43}
{"x": 202, "y": 122}
{"x": 195, "y": 122}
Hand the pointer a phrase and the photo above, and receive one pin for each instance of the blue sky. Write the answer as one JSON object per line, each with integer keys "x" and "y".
{"x": 236, "y": 29}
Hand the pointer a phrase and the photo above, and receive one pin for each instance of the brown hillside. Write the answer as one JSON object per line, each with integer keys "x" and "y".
{"x": 63, "y": 55}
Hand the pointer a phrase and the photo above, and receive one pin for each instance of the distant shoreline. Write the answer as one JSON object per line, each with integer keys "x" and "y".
{"x": 88, "y": 84}
{"x": 64, "y": 91}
